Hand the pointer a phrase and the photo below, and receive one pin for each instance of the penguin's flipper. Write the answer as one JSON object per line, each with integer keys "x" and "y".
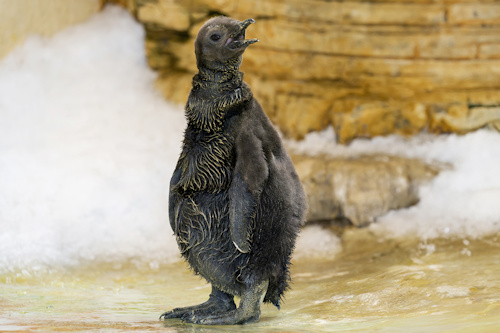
{"x": 174, "y": 202}
{"x": 250, "y": 173}
{"x": 241, "y": 212}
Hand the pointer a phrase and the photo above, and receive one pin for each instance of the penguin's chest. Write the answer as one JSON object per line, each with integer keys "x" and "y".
{"x": 206, "y": 163}
{"x": 203, "y": 234}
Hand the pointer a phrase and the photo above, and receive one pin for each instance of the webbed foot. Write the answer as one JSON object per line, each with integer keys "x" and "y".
{"x": 218, "y": 302}
{"x": 233, "y": 317}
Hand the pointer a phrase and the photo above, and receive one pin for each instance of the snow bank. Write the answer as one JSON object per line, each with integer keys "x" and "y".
{"x": 315, "y": 241}
{"x": 87, "y": 148}
{"x": 461, "y": 202}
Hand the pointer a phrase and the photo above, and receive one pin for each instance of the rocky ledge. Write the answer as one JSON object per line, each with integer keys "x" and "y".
{"x": 360, "y": 189}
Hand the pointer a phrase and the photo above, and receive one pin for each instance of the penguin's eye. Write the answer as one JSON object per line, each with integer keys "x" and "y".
{"x": 215, "y": 37}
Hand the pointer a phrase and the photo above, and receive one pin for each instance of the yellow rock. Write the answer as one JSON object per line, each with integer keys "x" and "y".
{"x": 224, "y": 6}
{"x": 166, "y": 13}
{"x": 175, "y": 86}
{"x": 302, "y": 114}
{"x": 392, "y": 13}
{"x": 360, "y": 189}
{"x": 382, "y": 118}
{"x": 131, "y": 5}
{"x": 474, "y": 13}
{"x": 496, "y": 125}
{"x": 461, "y": 118}
{"x": 21, "y": 18}
{"x": 346, "y": 13}
{"x": 489, "y": 51}
{"x": 367, "y": 68}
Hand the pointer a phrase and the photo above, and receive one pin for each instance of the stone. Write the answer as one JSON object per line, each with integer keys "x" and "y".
{"x": 360, "y": 189}
{"x": 474, "y": 13}
{"x": 380, "y": 118}
{"x": 405, "y": 14}
{"x": 495, "y": 125}
{"x": 460, "y": 118}
{"x": 367, "y": 68}
{"x": 20, "y": 19}
{"x": 130, "y": 5}
{"x": 319, "y": 37}
{"x": 165, "y": 13}
{"x": 489, "y": 51}
{"x": 362, "y": 12}
{"x": 446, "y": 47}
{"x": 174, "y": 86}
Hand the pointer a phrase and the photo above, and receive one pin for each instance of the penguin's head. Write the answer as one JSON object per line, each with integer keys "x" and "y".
{"x": 221, "y": 42}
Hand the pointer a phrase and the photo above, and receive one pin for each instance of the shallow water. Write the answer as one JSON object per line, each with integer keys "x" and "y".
{"x": 392, "y": 285}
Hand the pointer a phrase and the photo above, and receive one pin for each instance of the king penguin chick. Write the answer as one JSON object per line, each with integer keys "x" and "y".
{"x": 236, "y": 204}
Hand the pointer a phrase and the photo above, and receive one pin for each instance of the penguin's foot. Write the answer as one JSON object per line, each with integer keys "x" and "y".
{"x": 218, "y": 302}
{"x": 247, "y": 312}
{"x": 234, "y": 317}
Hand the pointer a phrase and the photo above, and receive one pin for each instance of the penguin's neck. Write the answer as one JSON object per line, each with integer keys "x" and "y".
{"x": 209, "y": 78}
{"x": 215, "y": 92}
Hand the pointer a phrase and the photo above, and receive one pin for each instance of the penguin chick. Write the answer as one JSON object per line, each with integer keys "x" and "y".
{"x": 236, "y": 204}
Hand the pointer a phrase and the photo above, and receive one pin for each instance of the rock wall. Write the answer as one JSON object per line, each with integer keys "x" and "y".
{"x": 22, "y": 18}
{"x": 365, "y": 67}
{"x": 361, "y": 189}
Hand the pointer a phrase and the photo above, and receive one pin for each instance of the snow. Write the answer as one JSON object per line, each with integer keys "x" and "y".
{"x": 315, "y": 241}
{"x": 87, "y": 148}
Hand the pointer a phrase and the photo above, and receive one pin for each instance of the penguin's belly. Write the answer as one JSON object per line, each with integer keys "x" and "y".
{"x": 205, "y": 240}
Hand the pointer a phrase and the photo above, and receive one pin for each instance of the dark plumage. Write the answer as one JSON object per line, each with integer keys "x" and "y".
{"x": 236, "y": 203}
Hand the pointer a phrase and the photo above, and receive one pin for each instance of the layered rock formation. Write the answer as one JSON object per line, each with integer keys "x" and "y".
{"x": 20, "y": 19}
{"x": 366, "y": 67}
{"x": 360, "y": 189}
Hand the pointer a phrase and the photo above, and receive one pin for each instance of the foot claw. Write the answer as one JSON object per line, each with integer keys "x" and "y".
{"x": 167, "y": 315}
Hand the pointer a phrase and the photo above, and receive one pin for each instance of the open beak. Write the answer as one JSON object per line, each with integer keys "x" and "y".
{"x": 237, "y": 39}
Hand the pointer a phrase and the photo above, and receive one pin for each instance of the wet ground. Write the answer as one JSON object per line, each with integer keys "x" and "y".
{"x": 397, "y": 286}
